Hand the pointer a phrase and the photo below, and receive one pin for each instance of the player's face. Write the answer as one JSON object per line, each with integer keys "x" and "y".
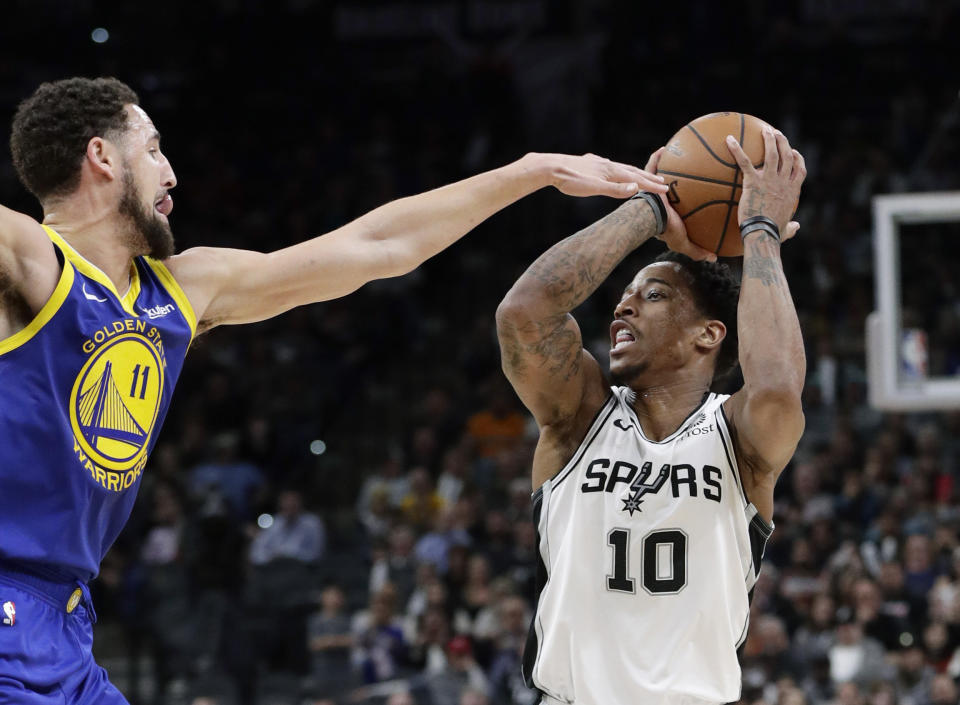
{"x": 655, "y": 325}
{"x": 147, "y": 178}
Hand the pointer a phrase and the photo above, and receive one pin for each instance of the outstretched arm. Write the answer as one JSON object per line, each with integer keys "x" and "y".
{"x": 541, "y": 348}
{"x": 237, "y": 286}
{"x": 29, "y": 271}
{"x": 766, "y": 414}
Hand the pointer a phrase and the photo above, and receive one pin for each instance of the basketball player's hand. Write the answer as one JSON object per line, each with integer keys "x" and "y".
{"x": 590, "y": 175}
{"x": 773, "y": 190}
{"x": 675, "y": 236}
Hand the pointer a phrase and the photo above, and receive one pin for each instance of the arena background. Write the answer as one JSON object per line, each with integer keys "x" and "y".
{"x": 366, "y": 453}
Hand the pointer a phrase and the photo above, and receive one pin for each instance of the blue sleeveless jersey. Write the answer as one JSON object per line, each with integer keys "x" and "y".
{"x": 84, "y": 389}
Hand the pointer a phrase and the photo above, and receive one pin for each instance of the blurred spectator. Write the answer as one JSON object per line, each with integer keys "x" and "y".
{"x": 169, "y": 625}
{"x": 379, "y": 514}
{"x": 330, "y": 641}
{"x": 766, "y": 650}
{"x": 396, "y": 565}
{"x": 387, "y": 479}
{"x": 432, "y": 632}
{"x": 897, "y": 602}
{"x": 868, "y": 611}
{"x": 235, "y": 479}
{"x": 380, "y": 651}
{"x": 498, "y": 426}
{"x": 421, "y": 505}
{"x": 919, "y": 572}
{"x": 403, "y": 697}
{"x": 453, "y": 475}
{"x": 914, "y": 675}
{"x": 508, "y": 640}
{"x": 883, "y": 694}
{"x": 162, "y": 543}
{"x": 459, "y": 673}
{"x": 849, "y": 694}
{"x": 936, "y": 646}
{"x": 855, "y": 658}
{"x": 294, "y": 533}
{"x": 214, "y": 550}
{"x": 476, "y": 593}
{"x": 814, "y": 638}
{"x": 470, "y": 696}
{"x": 943, "y": 690}
{"x": 433, "y": 547}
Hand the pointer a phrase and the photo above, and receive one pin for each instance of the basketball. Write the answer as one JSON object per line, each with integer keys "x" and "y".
{"x": 705, "y": 182}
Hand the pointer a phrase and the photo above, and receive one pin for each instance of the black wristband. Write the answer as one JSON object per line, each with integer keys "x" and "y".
{"x": 760, "y": 222}
{"x": 659, "y": 210}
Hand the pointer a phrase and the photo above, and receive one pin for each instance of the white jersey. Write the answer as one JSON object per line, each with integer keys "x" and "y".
{"x": 649, "y": 551}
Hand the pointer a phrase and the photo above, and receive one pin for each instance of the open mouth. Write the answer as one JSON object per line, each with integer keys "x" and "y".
{"x": 165, "y": 205}
{"x": 621, "y": 335}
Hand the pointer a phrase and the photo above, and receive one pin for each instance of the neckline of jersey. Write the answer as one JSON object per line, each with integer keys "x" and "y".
{"x": 92, "y": 271}
{"x": 680, "y": 429}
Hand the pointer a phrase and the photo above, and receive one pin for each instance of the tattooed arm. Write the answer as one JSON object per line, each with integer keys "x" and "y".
{"x": 541, "y": 348}
{"x": 766, "y": 414}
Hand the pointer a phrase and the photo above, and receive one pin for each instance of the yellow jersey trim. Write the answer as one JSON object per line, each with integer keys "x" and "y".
{"x": 174, "y": 289}
{"x": 45, "y": 314}
{"x": 92, "y": 271}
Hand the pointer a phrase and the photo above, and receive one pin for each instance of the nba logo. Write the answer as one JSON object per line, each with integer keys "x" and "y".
{"x": 9, "y": 613}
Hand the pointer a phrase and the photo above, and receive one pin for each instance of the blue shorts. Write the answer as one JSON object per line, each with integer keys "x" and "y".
{"x": 46, "y": 653}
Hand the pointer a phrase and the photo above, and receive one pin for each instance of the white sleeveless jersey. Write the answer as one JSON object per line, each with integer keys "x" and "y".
{"x": 648, "y": 554}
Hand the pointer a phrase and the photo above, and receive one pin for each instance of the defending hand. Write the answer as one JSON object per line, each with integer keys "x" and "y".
{"x": 590, "y": 175}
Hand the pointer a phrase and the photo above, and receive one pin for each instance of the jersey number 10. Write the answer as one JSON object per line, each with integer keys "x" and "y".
{"x": 664, "y": 562}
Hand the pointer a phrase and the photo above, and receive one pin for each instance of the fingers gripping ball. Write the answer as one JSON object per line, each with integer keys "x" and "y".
{"x": 705, "y": 181}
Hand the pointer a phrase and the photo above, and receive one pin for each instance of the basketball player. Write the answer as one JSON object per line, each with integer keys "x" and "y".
{"x": 95, "y": 320}
{"x": 655, "y": 496}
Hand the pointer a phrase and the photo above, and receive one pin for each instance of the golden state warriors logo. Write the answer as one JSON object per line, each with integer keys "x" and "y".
{"x": 115, "y": 401}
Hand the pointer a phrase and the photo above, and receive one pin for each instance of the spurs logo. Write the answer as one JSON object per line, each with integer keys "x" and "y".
{"x": 640, "y": 486}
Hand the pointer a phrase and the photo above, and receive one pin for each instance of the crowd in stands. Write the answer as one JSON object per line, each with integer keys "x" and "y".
{"x": 338, "y": 508}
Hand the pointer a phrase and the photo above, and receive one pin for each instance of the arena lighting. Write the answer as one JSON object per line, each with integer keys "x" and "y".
{"x": 265, "y": 521}
{"x": 318, "y": 447}
{"x": 100, "y": 35}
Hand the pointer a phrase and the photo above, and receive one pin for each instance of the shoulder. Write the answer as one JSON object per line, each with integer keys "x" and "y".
{"x": 23, "y": 237}
{"x": 765, "y": 431}
{"x": 28, "y": 261}
{"x": 11, "y": 221}
{"x": 197, "y": 263}
{"x": 559, "y": 442}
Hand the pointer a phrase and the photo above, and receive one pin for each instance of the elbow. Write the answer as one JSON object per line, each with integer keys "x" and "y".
{"x": 393, "y": 260}
{"x": 779, "y": 411}
{"x": 507, "y": 311}
{"x": 512, "y": 311}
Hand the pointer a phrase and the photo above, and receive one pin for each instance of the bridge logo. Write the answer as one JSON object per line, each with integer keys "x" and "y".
{"x": 115, "y": 401}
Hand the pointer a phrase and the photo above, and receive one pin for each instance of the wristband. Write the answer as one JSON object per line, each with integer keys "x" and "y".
{"x": 659, "y": 210}
{"x": 760, "y": 222}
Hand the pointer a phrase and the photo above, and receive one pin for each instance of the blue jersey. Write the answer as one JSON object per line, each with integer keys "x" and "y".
{"x": 84, "y": 389}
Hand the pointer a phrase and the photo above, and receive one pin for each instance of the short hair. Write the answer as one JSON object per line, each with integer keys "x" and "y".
{"x": 51, "y": 130}
{"x": 716, "y": 293}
